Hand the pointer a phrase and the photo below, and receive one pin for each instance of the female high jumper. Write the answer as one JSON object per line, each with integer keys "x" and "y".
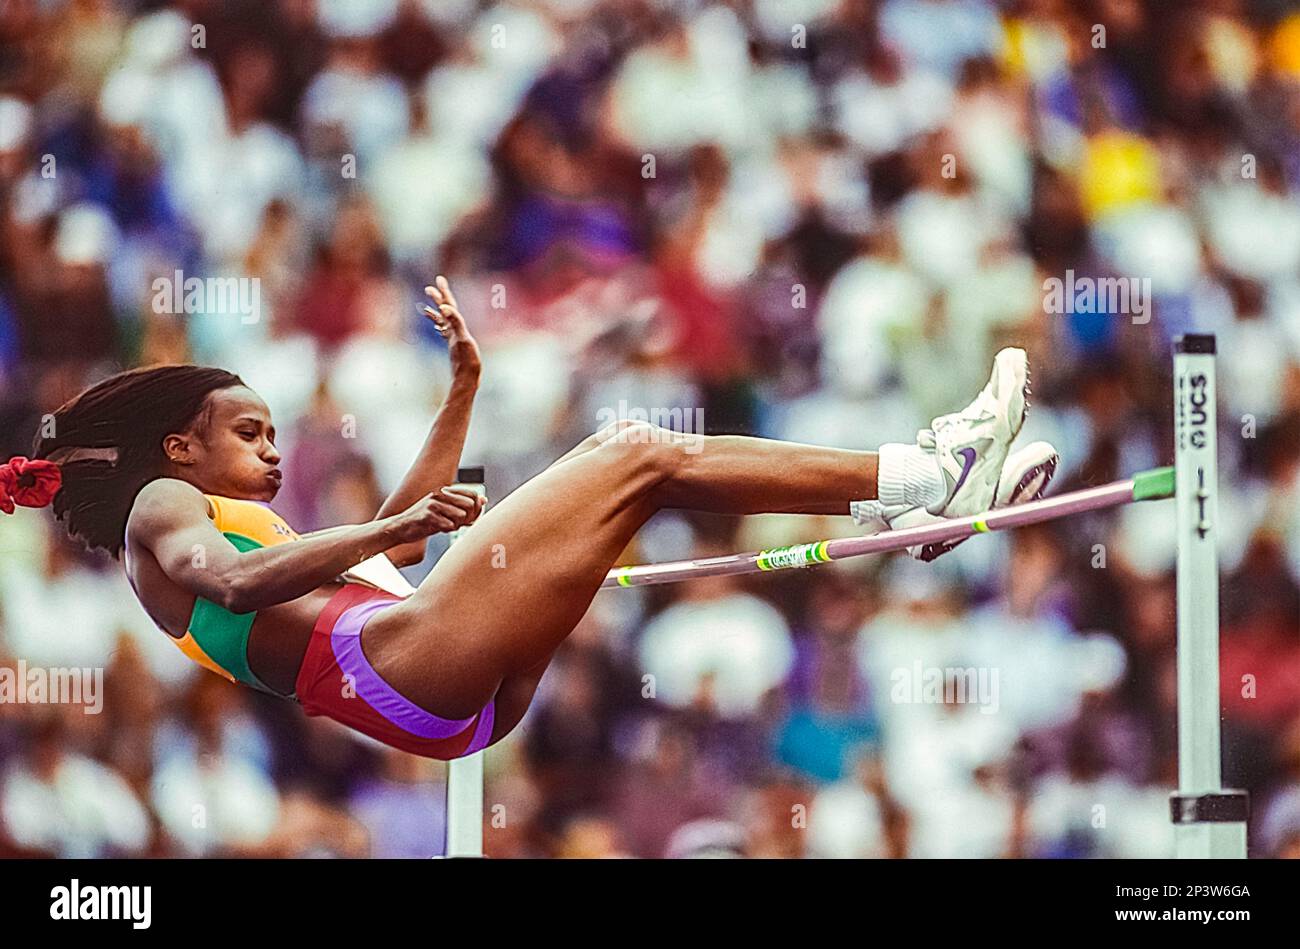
{"x": 172, "y": 468}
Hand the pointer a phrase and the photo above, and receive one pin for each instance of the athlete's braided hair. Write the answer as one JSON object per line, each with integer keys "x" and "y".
{"x": 108, "y": 443}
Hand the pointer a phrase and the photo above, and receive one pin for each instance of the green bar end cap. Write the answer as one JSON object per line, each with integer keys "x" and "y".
{"x": 1154, "y": 484}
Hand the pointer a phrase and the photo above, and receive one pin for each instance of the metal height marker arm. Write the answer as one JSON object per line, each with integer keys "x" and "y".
{"x": 465, "y": 775}
{"x": 1209, "y": 821}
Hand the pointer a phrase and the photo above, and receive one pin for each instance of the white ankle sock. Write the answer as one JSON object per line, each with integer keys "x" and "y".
{"x": 908, "y": 475}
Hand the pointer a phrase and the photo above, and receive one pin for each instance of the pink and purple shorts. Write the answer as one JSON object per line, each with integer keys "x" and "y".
{"x": 336, "y": 680}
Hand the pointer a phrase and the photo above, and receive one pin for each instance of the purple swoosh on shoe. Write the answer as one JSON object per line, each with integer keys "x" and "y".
{"x": 969, "y": 455}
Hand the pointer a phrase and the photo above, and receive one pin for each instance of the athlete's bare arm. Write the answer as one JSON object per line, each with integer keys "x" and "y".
{"x": 435, "y": 466}
{"x": 170, "y": 520}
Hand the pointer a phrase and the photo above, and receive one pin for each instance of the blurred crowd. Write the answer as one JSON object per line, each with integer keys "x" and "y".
{"x": 808, "y": 219}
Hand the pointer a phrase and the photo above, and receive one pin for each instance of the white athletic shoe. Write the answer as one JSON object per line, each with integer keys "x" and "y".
{"x": 1025, "y": 477}
{"x": 972, "y": 445}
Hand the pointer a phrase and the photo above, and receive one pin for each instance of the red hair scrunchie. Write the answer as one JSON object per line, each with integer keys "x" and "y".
{"x": 29, "y": 483}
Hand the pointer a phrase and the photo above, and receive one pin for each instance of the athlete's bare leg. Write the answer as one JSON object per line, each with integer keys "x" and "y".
{"x": 504, "y": 597}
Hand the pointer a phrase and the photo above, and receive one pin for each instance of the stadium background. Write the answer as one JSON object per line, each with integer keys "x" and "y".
{"x": 810, "y": 219}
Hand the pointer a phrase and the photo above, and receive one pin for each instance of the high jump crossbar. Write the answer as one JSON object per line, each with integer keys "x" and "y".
{"x": 1209, "y": 821}
{"x": 1150, "y": 485}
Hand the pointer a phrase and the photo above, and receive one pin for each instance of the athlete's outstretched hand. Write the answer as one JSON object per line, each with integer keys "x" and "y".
{"x": 436, "y": 513}
{"x": 466, "y": 363}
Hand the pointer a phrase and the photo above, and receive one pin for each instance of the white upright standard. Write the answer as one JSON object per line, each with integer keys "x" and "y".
{"x": 1209, "y": 821}
{"x": 465, "y": 775}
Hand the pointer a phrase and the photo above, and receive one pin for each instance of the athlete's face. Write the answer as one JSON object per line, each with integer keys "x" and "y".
{"x": 230, "y": 451}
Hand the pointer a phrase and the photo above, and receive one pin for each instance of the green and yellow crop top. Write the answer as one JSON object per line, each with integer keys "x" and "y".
{"x": 217, "y": 639}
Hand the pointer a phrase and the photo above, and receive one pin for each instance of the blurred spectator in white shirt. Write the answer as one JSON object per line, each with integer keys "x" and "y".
{"x": 67, "y": 805}
{"x": 718, "y": 648}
